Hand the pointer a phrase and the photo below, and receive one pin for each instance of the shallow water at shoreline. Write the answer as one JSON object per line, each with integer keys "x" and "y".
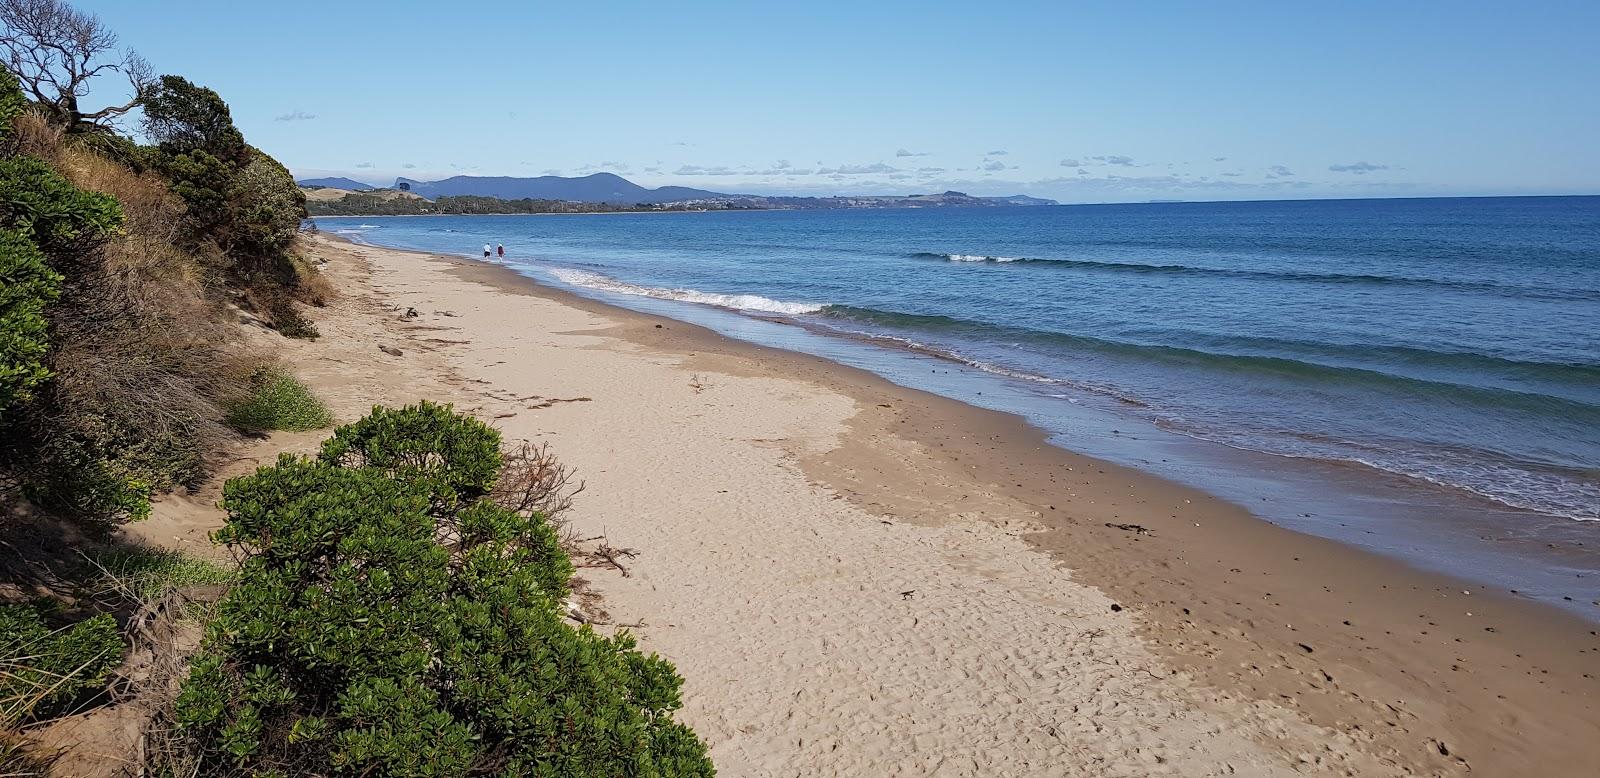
{"x": 1481, "y": 536}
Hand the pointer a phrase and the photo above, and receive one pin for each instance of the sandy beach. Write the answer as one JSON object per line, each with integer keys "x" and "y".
{"x": 855, "y": 578}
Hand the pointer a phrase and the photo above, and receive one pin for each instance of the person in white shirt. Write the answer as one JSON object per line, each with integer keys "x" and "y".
{"x": 487, "y": 251}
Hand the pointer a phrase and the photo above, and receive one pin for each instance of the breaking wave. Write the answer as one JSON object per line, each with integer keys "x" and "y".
{"x": 737, "y": 302}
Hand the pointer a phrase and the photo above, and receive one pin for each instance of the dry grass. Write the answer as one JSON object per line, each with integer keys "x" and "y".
{"x": 34, "y": 135}
{"x": 145, "y": 349}
{"x": 19, "y": 758}
{"x": 311, "y": 286}
{"x": 140, "y": 328}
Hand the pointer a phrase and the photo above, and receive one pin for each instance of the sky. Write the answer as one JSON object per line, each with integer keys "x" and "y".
{"x": 1076, "y": 101}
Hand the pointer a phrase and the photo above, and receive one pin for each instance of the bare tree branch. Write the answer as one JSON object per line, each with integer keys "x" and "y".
{"x": 56, "y": 50}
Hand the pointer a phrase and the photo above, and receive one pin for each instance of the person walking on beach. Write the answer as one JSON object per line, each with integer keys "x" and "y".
{"x": 486, "y": 251}
{"x": 500, "y": 248}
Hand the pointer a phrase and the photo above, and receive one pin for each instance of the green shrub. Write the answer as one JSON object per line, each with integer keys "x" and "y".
{"x": 268, "y": 209}
{"x": 27, "y": 285}
{"x": 91, "y": 489}
{"x": 391, "y": 620}
{"x": 43, "y": 669}
{"x": 278, "y": 402}
{"x": 12, "y": 101}
{"x": 61, "y": 219}
{"x": 101, "y": 464}
{"x": 454, "y": 456}
{"x": 182, "y": 117}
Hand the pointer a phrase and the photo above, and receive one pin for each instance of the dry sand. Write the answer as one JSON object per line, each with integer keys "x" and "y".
{"x": 860, "y": 579}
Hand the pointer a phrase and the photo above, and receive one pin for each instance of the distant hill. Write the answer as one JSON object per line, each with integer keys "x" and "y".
{"x": 1023, "y": 200}
{"x": 597, "y": 188}
{"x": 328, "y": 194}
{"x": 610, "y": 189}
{"x": 337, "y": 183}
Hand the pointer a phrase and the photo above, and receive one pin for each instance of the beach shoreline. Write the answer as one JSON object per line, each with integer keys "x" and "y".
{"x": 1406, "y": 670}
{"x": 1294, "y": 441}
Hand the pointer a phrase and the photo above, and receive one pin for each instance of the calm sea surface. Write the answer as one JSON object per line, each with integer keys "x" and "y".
{"x": 1451, "y": 346}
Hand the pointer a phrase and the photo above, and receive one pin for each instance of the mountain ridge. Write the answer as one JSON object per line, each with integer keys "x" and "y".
{"x": 593, "y": 188}
{"x": 612, "y": 189}
{"x": 337, "y": 182}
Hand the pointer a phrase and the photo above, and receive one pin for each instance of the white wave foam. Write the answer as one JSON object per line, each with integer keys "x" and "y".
{"x": 979, "y": 258}
{"x": 738, "y": 302}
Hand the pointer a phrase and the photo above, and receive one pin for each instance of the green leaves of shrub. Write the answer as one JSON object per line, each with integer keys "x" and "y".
{"x": 454, "y": 456}
{"x": 27, "y": 285}
{"x": 12, "y": 101}
{"x": 278, "y": 402}
{"x": 62, "y": 219}
{"x": 391, "y": 620}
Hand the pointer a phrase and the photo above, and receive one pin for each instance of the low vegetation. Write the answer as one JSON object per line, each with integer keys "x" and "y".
{"x": 44, "y": 668}
{"x": 278, "y": 402}
{"x": 137, "y": 574}
{"x": 393, "y": 618}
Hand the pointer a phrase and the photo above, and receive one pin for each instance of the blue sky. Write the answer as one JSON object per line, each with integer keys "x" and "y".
{"x": 1082, "y": 102}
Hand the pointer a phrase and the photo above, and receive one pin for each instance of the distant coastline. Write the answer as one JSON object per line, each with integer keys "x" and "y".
{"x": 601, "y": 192}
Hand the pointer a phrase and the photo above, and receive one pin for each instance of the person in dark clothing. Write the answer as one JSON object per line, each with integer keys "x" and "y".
{"x": 501, "y": 250}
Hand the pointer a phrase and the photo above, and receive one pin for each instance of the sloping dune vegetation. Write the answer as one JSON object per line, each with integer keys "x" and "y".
{"x": 398, "y": 608}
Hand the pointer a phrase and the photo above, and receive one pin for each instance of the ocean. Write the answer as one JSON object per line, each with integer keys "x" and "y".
{"x": 1422, "y": 366}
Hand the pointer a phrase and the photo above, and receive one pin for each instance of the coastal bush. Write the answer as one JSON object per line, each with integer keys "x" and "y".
{"x": 182, "y": 117}
{"x": 238, "y": 197}
{"x": 289, "y": 321}
{"x": 268, "y": 210}
{"x": 43, "y": 669}
{"x": 27, "y": 285}
{"x": 12, "y": 101}
{"x": 112, "y": 379}
{"x": 278, "y": 402}
{"x": 62, "y": 220}
{"x": 392, "y": 619}
{"x": 454, "y": 456}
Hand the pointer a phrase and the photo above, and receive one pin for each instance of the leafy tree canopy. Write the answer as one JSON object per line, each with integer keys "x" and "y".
{"x": 182, "y": 117}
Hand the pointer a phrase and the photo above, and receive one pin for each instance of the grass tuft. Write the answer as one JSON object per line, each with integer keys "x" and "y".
{"x": 148, "y": 574}
{"x": 278, "y": 402}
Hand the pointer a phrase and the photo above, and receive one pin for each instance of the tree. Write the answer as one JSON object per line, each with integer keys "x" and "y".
{"x": 56, "y": 50}
{"x": 182, "y": 117}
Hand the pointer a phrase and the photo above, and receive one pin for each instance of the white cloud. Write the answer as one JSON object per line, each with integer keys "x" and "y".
{"x": 1358, "y": 168}
{"x": 858, "y": 170}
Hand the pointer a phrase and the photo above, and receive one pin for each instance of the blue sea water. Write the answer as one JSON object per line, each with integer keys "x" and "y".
{"x": 1453, "y": 343}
